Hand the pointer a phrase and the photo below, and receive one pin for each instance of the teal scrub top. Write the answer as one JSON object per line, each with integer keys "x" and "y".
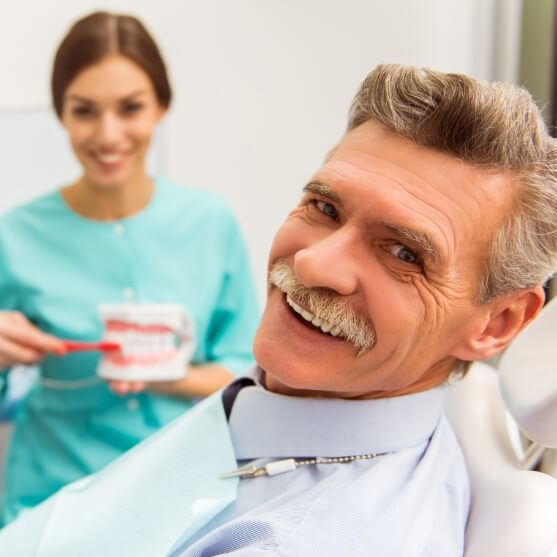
{"x": 56, "y": 267}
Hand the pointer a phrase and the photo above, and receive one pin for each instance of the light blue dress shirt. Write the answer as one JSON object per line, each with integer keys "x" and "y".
{"x": 413, "y": 500}
{"x": 56, "y": 267}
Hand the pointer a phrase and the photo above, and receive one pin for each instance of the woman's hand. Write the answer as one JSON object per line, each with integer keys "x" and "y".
{"x": 23, "y": 343}
{"x": 200, "y": 381}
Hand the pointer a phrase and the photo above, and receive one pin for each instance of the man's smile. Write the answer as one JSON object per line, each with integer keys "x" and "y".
{"x": 301, "y": 328}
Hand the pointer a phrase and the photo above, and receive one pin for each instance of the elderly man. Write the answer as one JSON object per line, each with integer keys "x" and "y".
{"x": 420, "y": 246}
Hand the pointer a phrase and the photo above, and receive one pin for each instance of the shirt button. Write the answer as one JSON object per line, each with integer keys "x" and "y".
{"x": 128, "y": 293}
{"x": 132, "y": 404}
{"x": 118, "y": 229}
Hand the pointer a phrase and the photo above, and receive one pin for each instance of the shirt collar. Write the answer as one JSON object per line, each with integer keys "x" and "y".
{"x": 268, "y": 425}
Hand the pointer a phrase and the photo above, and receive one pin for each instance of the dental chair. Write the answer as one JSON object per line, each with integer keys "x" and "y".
{"x": 504, "y": 420}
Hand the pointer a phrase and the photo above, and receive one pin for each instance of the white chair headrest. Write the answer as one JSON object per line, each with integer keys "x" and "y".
{"x": 528, "y": 378}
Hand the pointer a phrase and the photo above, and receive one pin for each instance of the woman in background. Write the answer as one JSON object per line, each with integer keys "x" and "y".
{"x": 115, "y": 235}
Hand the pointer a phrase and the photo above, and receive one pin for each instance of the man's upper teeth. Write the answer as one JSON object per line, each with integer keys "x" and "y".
{"x": 307, "y": 315}
{"x": 320, "y": 324}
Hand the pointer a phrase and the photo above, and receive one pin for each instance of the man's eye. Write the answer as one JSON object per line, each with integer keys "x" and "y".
{"x": 405, "y": 254}
{"x": 327, "y": 209}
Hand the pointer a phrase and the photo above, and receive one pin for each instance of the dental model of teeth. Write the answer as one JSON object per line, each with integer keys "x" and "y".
{"x": 157, "y": 341}
{"x": 141, "y": 343}
{"x": 313, "y": 319}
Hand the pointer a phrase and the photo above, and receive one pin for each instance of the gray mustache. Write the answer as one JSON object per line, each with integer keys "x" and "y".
{"x": 326, "y": 305}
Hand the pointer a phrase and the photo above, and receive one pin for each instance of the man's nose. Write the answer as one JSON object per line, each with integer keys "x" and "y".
{"x": 330, "y": 262}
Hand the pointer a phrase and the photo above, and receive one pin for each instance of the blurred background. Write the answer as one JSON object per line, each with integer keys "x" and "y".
{"x": 262, "y": 87}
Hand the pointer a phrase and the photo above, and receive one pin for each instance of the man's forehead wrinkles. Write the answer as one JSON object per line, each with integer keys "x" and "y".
{"x": 381, "y": 169}
{"x": 323, "y": 182}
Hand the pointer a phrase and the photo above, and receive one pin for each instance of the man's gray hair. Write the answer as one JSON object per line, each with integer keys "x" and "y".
{"x": 496, "y": 126}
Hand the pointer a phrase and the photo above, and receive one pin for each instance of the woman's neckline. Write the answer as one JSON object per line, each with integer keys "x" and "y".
{"x": 125, "y": 218}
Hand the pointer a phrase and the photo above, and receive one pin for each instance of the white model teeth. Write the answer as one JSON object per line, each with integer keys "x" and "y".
{"x": 320, "y": 324}
{"x": 135, "y": 344}
{"x": 109, "y": 159}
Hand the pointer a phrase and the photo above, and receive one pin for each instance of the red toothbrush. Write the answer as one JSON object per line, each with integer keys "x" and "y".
{"x": 102, "y": 346}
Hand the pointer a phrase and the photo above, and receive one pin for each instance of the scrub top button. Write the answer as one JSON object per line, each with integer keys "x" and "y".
{"x": 132, "y": 404}
{"x": 128, "y": 294}
{"x": 118, "y": 229}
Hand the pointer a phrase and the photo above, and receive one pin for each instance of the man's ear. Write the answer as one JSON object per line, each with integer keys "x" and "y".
{"x": 506, "y": 317}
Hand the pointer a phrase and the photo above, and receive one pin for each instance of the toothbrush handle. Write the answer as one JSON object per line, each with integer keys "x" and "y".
{"x": 102, "y": 346}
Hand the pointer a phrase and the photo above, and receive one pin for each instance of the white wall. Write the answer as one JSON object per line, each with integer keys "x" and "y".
{"x": 262, "y": 86}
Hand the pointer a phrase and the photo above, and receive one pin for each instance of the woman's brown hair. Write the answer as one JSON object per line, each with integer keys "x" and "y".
{"x": 100, "y": 34}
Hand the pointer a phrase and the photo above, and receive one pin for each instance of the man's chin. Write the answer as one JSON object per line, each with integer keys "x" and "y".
{"x": 286, "y": 374}
{"x": 278, "y": 385}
